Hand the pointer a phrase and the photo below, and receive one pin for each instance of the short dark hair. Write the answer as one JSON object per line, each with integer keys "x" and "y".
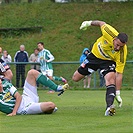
{"x": 36, "y": 49}
{"x": 40, "y": 43}
{"x": 122, "y": 37}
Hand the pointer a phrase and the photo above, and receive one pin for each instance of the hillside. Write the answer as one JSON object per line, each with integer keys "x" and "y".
{"x": 61, "y": 22}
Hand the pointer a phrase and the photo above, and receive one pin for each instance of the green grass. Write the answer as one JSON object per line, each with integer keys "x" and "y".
{"x": 78, "y": 112}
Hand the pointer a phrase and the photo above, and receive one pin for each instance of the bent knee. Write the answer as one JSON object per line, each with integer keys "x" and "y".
{"x": 47, "y": 107}
{"x": 51, "y": 105}
{"x": 30, "y": 71}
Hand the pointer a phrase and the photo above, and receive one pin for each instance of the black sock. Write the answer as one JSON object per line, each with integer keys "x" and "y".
{"x": 110, "y": 95}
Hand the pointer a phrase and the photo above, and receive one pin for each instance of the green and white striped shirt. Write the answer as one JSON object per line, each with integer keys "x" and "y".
{"x": 7, "y": 99}
{"x": 45, "y": 54}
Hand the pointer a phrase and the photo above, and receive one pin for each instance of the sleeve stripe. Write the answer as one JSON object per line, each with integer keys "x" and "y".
{"x": 109, "y": 32}
{"x": 122, "y": 55}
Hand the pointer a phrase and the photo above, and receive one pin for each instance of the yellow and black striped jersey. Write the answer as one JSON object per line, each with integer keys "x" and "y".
{"x": 103, "y": 48}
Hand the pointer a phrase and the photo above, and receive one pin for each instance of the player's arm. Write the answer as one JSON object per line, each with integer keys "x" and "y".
{"x": 118, "y": 80}
{"x": 120, "y": 64}
{"x": 51, "y": 57}
{"x": 5, "y": 70}
{"x": 17, "y": 104}
{"x": 86, "y": 24}
{"x": 97, "y": 23}
{"x": 8, "y": 74}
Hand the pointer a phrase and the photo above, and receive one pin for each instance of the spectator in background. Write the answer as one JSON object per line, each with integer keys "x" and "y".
{"x": 33, "y": 58}
{"x": 87, "y": 78}
{"x": 20, "y": 56}
{"x": 6, "y": 57}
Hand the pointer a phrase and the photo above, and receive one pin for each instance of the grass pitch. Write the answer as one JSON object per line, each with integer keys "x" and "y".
{"x": 78, "y": 112}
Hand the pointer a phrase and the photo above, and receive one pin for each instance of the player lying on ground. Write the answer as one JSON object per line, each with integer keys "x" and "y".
{"x": 108, "y": 54}
{"x": 12, "y": 103}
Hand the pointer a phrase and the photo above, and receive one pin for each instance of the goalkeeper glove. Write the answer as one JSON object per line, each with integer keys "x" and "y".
{"x": 85, "y": 24}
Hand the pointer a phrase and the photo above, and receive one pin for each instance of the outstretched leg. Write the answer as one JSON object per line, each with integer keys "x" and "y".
{"x": 34, "y": 76}
{"x": 77, "y": 76}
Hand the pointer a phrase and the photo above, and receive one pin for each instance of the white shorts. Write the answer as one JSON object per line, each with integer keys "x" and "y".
{"x": 48, "y": 72}
{"x": 30, "y": 100}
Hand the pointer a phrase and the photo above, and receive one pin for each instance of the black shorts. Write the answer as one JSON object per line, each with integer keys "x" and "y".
{"x": 92, "y": 63}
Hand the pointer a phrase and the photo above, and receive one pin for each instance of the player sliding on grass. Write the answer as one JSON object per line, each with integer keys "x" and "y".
{"x": 12, "y": 103}
{"x": 108, "y": 54}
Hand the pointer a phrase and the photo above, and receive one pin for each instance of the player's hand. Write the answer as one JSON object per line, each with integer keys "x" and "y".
{"x": 41, "y": 58}
{"x": 85, "y": 25}
{"x": 11, "y": 114}
{"x": 45, "y": 60}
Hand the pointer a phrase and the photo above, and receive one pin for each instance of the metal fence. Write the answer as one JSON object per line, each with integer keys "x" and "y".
{"x": 66, "y": 70}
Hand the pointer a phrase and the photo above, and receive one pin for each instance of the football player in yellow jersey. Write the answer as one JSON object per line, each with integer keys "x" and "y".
{"x": 108, "y": 54}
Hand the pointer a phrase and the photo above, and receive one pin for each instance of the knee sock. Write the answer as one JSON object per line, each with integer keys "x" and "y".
{"x": 57, "y": 78}
{"x": 44, "y": 80}
{"x": 110, "y": 95}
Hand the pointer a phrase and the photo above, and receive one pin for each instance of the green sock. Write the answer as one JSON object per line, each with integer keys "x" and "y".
{"x": 57, "y": 78}
{"x": 46, "y": 81}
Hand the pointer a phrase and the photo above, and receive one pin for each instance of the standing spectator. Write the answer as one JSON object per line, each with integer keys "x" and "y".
{"x": 20, "y": 56}
{"x": 87, "y": 78}
{"x": 33, "y": 58}
{"x": 6, "y": 57}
